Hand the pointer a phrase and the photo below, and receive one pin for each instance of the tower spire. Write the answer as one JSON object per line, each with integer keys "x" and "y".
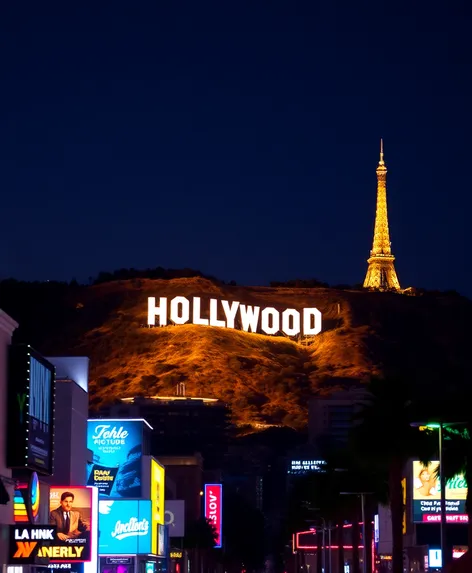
{"x": 381, "y": 274}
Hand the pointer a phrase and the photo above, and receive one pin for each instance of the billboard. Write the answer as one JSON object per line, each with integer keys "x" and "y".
{"x": 117, "y": 447}
{"x": 31, "y": 385}
{"x": 175, "y": 517}
{"x": 125, "y": 527}
{"x": 30, "y": 544}
{"x": 427, "y": 495}
{"x": 71, "y": 513}
{"x": 214, "y": 509}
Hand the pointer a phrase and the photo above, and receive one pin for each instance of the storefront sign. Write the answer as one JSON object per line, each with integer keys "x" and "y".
{"x": 175, "y": 517}
{"x": 427, "y": 496}
{"x": 125, "y": 527}
{"x": 117, "y": 457}
{"x": 214, "y": 509}
{"x": 226, "y": 314}
{"x": 71, "y": 513}
{"x": 306, "y": 466}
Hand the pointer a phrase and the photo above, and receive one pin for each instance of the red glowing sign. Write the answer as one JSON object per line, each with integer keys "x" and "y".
{"x": 214, "y": 509}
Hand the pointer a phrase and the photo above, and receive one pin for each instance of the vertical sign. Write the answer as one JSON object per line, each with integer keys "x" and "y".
{"x": 31, "y": 384}
{"x": 214, "y": 509}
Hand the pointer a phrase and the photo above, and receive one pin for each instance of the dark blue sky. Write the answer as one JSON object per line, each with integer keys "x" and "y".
{"x": 236, "y": 137}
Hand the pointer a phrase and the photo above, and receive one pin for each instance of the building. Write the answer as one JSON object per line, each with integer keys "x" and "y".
{"x": 7, "y": 326}
{"x": 332, "y": 416}
{"x": 181, "y": 425}
{"x": 71, "y": 412}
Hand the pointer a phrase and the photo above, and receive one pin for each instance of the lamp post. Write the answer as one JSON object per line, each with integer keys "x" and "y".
{"x": 362, "y": 495}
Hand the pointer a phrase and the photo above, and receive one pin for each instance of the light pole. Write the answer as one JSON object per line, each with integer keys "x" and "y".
{"x": 440, "y": 426}
{"x": 362, "y": 495}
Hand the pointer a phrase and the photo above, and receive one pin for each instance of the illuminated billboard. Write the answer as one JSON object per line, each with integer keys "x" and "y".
{"x": 226, "y": 314}
{"x": 71, "y": 513}
{"x": 31, "y": 385}
{"x": 117, "y": 447}
{"x": 214, "y": 509}
{"x": 26, "y": 501}
{"x": 175, "y": 517}
{"x": 427, "y": 495}
{"x": 157, "y": 500}
{"x": 125, "y": 527}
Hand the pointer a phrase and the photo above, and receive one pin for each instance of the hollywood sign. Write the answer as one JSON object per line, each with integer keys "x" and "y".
{"x": 267, "y": 320}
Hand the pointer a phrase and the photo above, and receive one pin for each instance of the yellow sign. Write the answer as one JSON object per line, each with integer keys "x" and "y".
{"x": 404, "y": 505}
{"x": 176, "y": 554}
{"x": 158, "y": 501}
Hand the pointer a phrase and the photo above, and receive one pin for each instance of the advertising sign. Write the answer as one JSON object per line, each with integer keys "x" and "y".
{"x": 427, "y": 496}
{"x": 26, "y": 501}
{"x": 30, "y": 544}
{"x": 214, "y": 509}
{"x": 71, "y": 513}
{"x": 125, "y": 527}
{"x": 117, "y": 565}
{"x": 175, "y": 517}
{"x": 117, "y": 457}
{"x": 31, "y": 383}
{"x": 226, "y": 314}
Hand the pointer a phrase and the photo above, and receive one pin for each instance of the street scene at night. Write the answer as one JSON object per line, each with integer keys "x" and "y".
{"x": 235, "y": 291}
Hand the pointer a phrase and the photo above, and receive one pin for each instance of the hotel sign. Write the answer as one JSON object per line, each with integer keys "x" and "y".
{"x": 232, "y": 314}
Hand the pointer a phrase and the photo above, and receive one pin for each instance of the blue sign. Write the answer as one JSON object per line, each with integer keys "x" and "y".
{"x": 117, "y": 457}
{"x": 125, "y": 527}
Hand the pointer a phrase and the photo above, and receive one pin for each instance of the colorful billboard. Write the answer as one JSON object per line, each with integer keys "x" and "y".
{"x": 31, "y": 385}
{"x": 117, "y": 447}
{"x": 157, "y": 500}
{"x": 71, "y": 513}
{"x": 26, "y": 501}
{"x": 427, "y": 495}
{"x": 125, "y": 527}
{"x": 30, "y": 544}
{"x": 214, "y": 509}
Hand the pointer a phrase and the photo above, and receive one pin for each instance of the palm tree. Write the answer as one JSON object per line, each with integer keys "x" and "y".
{"x": 200, "y": 538}
{"x": 384, "y": 440}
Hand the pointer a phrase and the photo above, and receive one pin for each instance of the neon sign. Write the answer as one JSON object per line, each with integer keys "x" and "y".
{"x": 213, "y": 509}
{"x": 239, "y": 316}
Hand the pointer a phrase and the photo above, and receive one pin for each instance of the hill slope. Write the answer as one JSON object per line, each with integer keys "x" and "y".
{"x": 264, "y": 378}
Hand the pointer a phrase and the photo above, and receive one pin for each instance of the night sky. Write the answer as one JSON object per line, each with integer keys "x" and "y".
{"x": 239, "y": 138}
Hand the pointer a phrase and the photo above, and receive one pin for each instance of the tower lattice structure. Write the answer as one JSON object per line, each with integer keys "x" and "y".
{"x": 381, "y": 273}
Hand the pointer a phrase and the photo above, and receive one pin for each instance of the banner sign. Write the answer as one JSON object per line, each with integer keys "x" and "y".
{"x": 71, "y": 514}
{"x": 427, "y": 496}
{"x": 125, "y": 527}
{"x": 117, "y": 457}
{"x": 270, "y": 321}
{"x": 214, "y": 509}
{"x": 31, "y": 385}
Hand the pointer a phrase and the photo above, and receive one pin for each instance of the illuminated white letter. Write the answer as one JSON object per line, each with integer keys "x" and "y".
{"x": 308, "y": 313}
{"x": 214, "y": 314}
{"x": 295, "y": 328}
{"x": 184, "y": 315}
{"x": 249, "y": 317}
{"x": 160, "y": 311}
{"x": 230, "y": 312}
{"x": 197, "y": 319}
{"x": 274, "y": 313}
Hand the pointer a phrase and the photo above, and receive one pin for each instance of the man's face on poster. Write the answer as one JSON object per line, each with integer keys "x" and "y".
{"x": 67, "y": 503}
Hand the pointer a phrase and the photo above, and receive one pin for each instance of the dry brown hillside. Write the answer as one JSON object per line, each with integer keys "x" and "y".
{"x": 264, "y": 378}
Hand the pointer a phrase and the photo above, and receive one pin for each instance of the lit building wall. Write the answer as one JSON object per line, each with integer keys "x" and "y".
{"x": 7, "y": 326}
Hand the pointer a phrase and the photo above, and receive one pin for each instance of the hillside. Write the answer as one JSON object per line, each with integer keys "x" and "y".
{"x": 264, "y": 378}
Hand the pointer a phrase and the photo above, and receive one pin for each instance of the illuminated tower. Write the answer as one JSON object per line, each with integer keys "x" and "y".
{"x": 381, "y": 273}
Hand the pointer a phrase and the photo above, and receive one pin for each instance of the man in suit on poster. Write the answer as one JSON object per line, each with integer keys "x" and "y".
{"x": 69, "y": 522}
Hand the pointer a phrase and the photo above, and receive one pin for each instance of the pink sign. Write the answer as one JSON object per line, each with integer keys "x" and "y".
{"x": 213, "y": 509}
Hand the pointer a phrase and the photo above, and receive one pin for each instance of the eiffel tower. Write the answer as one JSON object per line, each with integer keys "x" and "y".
{"x": 381, "y": 273}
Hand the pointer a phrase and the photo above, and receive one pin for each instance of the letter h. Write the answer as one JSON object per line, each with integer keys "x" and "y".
{"x": 160, "y": 311}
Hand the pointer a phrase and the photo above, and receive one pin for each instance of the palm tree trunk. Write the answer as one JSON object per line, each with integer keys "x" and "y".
{"x": 396, "y": 507}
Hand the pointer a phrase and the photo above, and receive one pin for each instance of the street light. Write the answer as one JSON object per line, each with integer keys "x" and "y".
{"x": 440, "y": 426}
{"x": 364, "y": 548}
